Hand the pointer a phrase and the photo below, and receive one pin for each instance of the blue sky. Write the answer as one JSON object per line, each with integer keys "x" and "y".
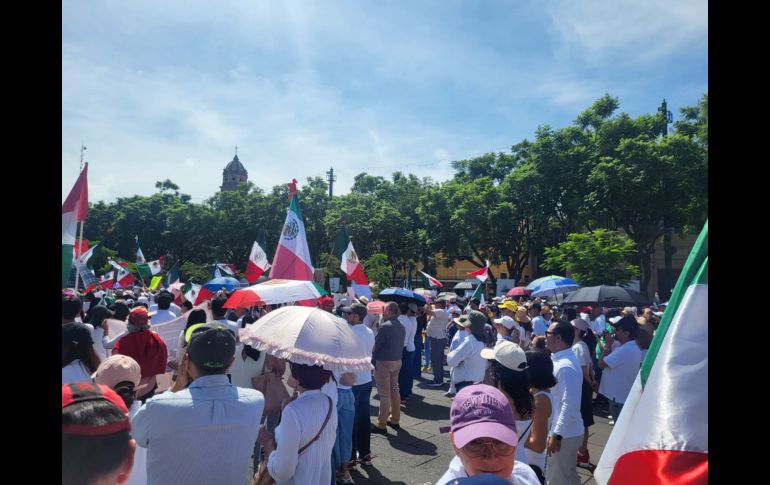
{"x": 165, "y": 90}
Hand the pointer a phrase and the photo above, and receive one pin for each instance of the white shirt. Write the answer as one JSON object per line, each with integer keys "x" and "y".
{"x": 410, "y": 325}
{"x": 622, "y": 368}
{"x": 243, "y": 370}
{"x": 162, "y": 316}
{"x": 567, "y": 394}
{"x": 437, "y": 324}
{"x": 459, "y": 336}
{"x": 582, "y": 354}
{"x": 521, "y": 474}
{"x": 174, "y": 308}
{"x": 300, "y": 422}
{"x": 98, "y": 337}
{"x": 599, "y": 325}
{"x": 540, "y": 325}
{"x": 366, "y": 339}
{"x": 75, "y": 371}
{"x": 467, "y": 361}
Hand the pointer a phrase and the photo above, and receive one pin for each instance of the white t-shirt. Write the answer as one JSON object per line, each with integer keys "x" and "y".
{"x": 366, "y": 338}
{"x": 437, "y": 324}
{"x": 522, "y": 474}
{"x": 622, "y": 368}
{"x": 583, "y": 355}
{"x": 242, "y": 370}
{"x": 410, "y": 325}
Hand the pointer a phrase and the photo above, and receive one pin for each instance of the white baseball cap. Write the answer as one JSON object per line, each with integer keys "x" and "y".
{"x": 508, "y": 354}
{"x": 506, "y": 321}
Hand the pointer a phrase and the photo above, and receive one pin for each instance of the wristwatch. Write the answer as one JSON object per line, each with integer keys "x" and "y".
{"x": 558, "y": 437}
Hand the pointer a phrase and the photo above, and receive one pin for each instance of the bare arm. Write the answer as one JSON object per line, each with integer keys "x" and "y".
{"x": 539, "y": 432}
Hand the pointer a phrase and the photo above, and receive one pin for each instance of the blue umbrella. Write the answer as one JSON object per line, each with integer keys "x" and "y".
{"x": 555, "y": 286}
{"x": 227, "y": 282}
{"x": 401, "y": 295}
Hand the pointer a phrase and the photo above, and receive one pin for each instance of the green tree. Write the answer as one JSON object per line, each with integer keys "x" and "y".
{"x": 378, "y": 270}
{"x": 599, "y": 257}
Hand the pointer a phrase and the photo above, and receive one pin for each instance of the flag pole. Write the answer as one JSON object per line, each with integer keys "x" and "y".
{"x": 77, "y": 262}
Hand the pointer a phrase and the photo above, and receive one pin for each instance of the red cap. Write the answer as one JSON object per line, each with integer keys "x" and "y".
{"x": 83, "y": 391}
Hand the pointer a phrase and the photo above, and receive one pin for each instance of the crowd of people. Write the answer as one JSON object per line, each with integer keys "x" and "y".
{"x": 522, "y": 375}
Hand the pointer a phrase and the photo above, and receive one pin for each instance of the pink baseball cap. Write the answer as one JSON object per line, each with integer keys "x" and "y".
{"x": 482, "y": 411}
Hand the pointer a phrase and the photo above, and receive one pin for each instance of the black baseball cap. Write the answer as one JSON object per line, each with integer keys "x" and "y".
{"x": 212, "y": 346}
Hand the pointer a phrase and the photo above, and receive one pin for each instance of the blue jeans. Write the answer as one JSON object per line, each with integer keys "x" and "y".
{"x": 346, "y": 411}
{"x": 406, "y": 374}
{"x": 362, "y": 427}
{"x": 427, "y": 352}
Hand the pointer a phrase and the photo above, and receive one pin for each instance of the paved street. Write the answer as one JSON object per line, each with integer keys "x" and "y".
{"x": 419, "y": 454}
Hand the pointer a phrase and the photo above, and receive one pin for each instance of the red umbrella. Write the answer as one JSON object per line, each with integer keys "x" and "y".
{"x": 243, "y": 299}
{"x": 519, "y": 291}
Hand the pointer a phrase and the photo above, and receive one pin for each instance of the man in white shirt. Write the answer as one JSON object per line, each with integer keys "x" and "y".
{"x": 567, "y": 429}
{"x": 163, "y": 314}
{"x": 406, "y": 374}
{"x": 436, "y": 333}
{"x": 620, "y": 365}
{"x": 362, "y": 390}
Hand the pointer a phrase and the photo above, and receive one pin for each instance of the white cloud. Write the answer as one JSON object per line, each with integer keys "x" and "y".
{"x": 630, "y": 31}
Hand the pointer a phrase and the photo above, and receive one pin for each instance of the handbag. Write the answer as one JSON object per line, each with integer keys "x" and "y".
{"x": 271, "y": 386}
{"x": 263, "y": 477}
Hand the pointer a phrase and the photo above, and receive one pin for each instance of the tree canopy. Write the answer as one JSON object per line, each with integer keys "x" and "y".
{"x": 604, "y": 172}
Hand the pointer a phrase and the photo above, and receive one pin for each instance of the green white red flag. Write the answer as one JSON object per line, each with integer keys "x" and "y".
{"x": 352, "y": 267}
{"x": 73, "y": 210}
{"x": 257, "y": 264}
{"x": 661, "y": 435}
{"x": 292, "y": 258}
{"x": 481, "y": 274}
{"x": 431, "y": 281}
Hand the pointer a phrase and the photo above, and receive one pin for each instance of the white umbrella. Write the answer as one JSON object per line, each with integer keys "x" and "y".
{"x": 308, "y": 336}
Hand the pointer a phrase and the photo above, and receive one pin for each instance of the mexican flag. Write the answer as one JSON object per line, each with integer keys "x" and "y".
{"x": 139, "y": 256}
{"x": 479, "y": 293}
{"x": 83, "y": 259}
{"x": 661, "y": 436}
{"x": 172, "y": 276}
{"x": 124, "y": 275}
{"x": 292, "y": 258}
{"x": 257, "y": 263}
{"x": 156, "y": 266}
{"x": 196, "y": 293}
{"x": 73, "y": 210}
{"x": 481, "y": 274}
{"x": 430, "y": 280}
{"x": 352, "y": 267}
{"x": 125, "y": 278}
{"x": 106, "y": 280}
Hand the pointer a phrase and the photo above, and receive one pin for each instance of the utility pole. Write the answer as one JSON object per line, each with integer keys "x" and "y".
{"x": 668, "y": 233}
{"x": 331, "y": 179}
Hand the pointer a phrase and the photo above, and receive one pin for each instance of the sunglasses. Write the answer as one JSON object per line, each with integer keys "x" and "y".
{"x": 477, "y": 448}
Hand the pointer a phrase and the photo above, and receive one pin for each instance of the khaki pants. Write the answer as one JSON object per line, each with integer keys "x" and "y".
{"x": 386, "y": 377}
{"x": 561, "y": 467}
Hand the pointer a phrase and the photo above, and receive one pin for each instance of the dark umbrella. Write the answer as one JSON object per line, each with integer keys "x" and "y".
{"x": 519, "y": 291}
{"x": 400, "y": 295}
{"x": 607, "y": 296}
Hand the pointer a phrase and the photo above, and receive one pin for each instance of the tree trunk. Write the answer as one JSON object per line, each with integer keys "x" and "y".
{"x": 645, "y": 255}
